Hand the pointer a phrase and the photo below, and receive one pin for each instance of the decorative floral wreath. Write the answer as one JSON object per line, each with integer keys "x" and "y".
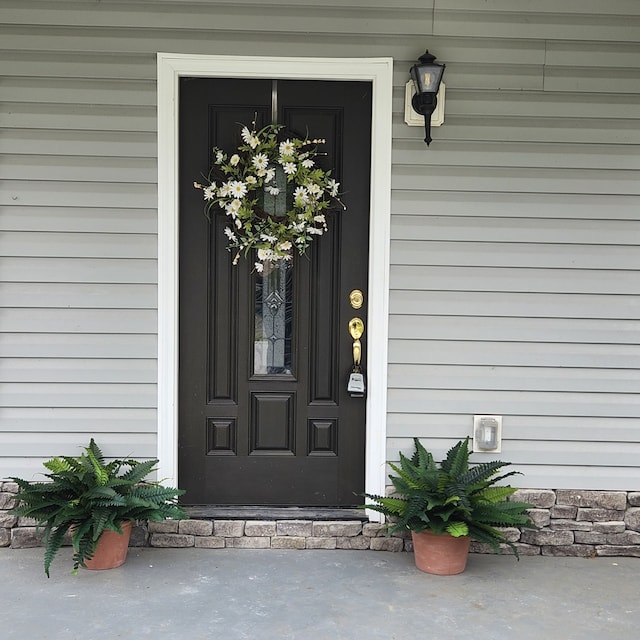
{"x": 246, "y": 187}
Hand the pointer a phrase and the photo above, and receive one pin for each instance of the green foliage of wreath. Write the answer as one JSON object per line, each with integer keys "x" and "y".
{"x": 274, "y": 193}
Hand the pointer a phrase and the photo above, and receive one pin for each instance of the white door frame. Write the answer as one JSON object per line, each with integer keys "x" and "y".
{"x": 379, "y": 72}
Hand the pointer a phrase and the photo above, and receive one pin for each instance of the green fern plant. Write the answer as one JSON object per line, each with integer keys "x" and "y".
{"x": 86, "y": 495}
{"x": 452, "y": 497}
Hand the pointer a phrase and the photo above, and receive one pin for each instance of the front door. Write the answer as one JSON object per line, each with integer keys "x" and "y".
{"x": 264, "y": 413}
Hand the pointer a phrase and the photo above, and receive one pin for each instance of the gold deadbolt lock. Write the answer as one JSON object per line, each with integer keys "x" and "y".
{"x": 356, "y": 298}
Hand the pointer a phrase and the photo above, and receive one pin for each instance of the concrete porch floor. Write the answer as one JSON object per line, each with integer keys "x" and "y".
{"x": 317, "y": 595}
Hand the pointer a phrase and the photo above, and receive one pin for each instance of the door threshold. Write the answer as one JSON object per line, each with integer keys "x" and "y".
{"x": 216, "y": 512}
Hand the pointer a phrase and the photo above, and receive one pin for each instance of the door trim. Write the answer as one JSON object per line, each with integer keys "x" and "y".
{"x": 170, "y": 68}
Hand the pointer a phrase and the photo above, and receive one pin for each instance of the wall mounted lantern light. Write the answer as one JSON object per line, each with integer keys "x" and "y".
{"x": 426, "y": 76}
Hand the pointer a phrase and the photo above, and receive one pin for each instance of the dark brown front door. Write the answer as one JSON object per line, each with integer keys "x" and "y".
{"x": 264, "y": 413}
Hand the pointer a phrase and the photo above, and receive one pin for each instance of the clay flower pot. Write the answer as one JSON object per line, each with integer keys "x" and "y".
{"x": 111, "y": 551}
{"x": 440, "y": 554}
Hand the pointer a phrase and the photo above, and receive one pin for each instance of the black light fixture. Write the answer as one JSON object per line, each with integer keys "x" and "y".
{"x": 426, "y": 76}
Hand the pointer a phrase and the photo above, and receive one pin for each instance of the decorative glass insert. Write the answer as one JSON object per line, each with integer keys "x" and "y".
{"x": 273, "y": 325}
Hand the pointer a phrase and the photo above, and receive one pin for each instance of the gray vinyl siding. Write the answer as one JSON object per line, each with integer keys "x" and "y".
{"x": 515, "y": 257}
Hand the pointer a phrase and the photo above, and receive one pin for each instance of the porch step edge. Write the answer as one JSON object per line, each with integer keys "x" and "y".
{"x": 215, "y": 512}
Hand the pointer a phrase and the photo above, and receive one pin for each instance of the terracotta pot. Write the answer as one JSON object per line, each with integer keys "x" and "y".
{"x": 440, "y": 554}
{"x": 112, "y": 548}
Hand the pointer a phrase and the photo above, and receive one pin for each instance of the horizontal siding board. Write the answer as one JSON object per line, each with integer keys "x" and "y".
{"x": 197, "y": 5}
{"x": 145, "y": 42}
{"x": 86, "y": 270}
{"x": 79, "y": 143}
{"x": 532, "y": 9}
{"x": 47, "y": 420}
{"x": 605, "y": 405}
{"x": 79, "y": 169}
{"x": 25, "y": 295}
{"x": 516, "y": 179}
{"x": 623, "y": 131}
{"x": 558, "y": 231}
{"x": 105, "y": 66}
{"x": 540, "y": 452}
{"x": 433, "y": 427}
{"x": 77, "y": 117}
{"x": 516, "y": 205}
{"x": 532, "y": 305}
{"x": 526, "y": 156}
{"x": 78, "y": 370}
{"x": 491, "y": 378}
{"x": 600, "y": 478}
{"x": 60, "y": 91}
{"x": 226, "y": 17}
{"x": 515, "y": 354}
{"x": 431, "y": 278}
{"x": 79, "y": 345}
{"x": 538, "y": 25}
{"x": 79, "y": 220}
{"x": 35, "y": 320}
{"x": 78, "y": 194}
{"x": 126, "y": 445}
{"x": 503, "y": 329}
{"x": 622, "y": 103}
{"x": 590, "y": 80}
{"x": 16, "y": 394}
{"x": 78, "y": 245}
{"x": 514, "y": 254}
{"x": 595, "y": 55}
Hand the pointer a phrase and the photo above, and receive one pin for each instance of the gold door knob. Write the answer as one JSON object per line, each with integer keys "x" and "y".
{"x": 356, "y": 329}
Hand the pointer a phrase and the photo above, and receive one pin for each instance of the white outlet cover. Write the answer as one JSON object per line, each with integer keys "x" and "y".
{"x": 492, "y": 427}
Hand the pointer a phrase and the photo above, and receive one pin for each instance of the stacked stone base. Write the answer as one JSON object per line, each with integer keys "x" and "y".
{"x": 571, "y": 523}
{"x": 272, "y": 534}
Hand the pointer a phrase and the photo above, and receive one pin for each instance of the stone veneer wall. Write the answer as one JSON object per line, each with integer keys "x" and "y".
{"x": 572, "y": 523}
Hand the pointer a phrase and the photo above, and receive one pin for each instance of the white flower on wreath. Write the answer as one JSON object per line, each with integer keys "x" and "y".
{"x": 287, "y": 148}
{"x": 260, "y": 161}
{"x": 300, "y": 196}
{"x": 238, "y": 189}
{"x": 314, "y": 189}
{"x": 233, "y": 207}
{"x": 289, "y": 168}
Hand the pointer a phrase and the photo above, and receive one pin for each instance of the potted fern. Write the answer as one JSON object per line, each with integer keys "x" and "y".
{"x": 446, "y": 505}
{"x": 95, "y": 502}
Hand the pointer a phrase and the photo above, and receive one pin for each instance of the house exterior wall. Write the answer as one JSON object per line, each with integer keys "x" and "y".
{"x": 515, "y": 236}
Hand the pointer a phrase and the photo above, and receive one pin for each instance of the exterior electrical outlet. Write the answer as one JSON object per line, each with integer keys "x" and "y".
{"x": 487, "y": 434}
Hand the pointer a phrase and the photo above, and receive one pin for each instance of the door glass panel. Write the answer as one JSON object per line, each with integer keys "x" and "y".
{"x": 273, "y": 319}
